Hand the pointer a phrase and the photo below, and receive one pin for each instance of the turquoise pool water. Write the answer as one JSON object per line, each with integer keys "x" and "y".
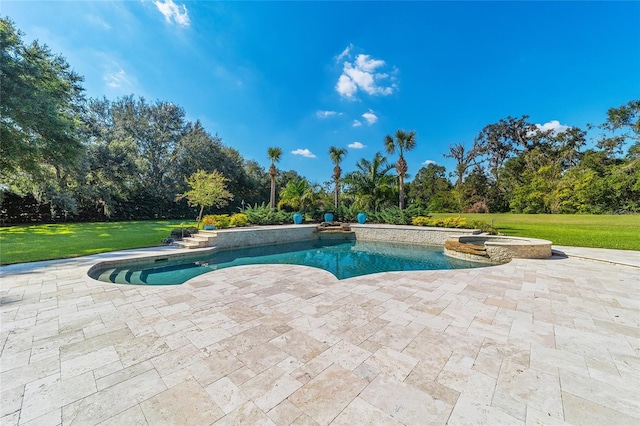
{"x": 342, "y": 259}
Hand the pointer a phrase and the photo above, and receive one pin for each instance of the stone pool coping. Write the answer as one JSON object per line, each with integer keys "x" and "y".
{"x": 277, "y": 234}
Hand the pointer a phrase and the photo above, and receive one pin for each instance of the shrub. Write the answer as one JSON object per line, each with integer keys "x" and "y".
{"x": 178, "y": 233}
{"x": 450, "y": 222}
{"x": 483, "y": 226}
{"x": 445, "y": 222}
{"x": 239, "y": 219}
{"x": 265, "y": 215}
{"x": 421, "y": 221}
{"x": 348, "y": 214}
{"x": 395, "y": 216}
{"x": 454, "y": 222}
{"x": 208, "y": 220}
{"x": 316, "y": 215}
{"x": 221, "y": 221}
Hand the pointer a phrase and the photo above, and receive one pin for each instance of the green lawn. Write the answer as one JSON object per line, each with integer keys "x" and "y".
{"x": 605, "y": 231}
{"x": 20, "y": 244}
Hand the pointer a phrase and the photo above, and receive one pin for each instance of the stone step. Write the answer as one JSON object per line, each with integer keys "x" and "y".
{"x": 187, "y": 245}
{"x": 201, "y": 239}
{"x": 455, "y": 245}
{"x": 196, "y": 239}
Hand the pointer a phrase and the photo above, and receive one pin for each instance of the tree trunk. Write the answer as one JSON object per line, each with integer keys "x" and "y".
{"x": 401, "y": 168}
{"x": 273, "y": 192}
{"x": 337, "y": 171}
{"x": 200, "y": 216}
{"x": 401, "y": 191}
{"x": 273, "y": 172}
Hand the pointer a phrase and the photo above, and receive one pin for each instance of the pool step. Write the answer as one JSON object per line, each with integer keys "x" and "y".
{"x": 114, "y": 275}
{"x": 106, "y": 274}
{"x": 201, "y": 239}
{"x": 119, "y": 276}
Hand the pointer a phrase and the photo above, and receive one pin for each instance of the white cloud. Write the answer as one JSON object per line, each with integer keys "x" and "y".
{"x": 117, "y": 79}
{"x": 369, "y": 65}
{"x": 325, "y": 114}
{"x": 554, "y": 126}
{"x": 356, "y": 123}
{"x": 344, "y": 54}
{"x": 370, "y": 117}
{"x": 172, "y": 11}
{"x": 427, "y": 162}
{"x": 346, "y": 86}
{"x": 364, "y": 73}
{"x": 97, "y": 21}
{"x": 304, "y": 152}
{"x": 356, "y": 145}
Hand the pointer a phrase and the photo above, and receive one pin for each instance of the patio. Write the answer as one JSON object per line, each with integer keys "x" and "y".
{"x": 552, "y": 341}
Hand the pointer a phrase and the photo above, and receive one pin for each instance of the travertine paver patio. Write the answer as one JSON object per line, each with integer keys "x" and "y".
{"x": 532, "y": 342}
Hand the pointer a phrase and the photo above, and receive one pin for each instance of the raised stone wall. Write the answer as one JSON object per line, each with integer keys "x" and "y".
{"x": 409, "y": 234}
{"x": 252, "y": 236}
{"x": 501, "y": 249}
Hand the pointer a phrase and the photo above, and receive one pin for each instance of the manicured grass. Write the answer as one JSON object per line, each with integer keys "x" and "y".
{"x": 603, "y": 231}
{"x": 20, "y": 244}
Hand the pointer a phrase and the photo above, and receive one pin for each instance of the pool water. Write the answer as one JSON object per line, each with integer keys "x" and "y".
{"x": 342, "y": 259}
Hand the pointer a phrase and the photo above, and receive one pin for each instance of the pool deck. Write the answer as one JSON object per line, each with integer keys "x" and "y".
{"x": 553, "y": 341}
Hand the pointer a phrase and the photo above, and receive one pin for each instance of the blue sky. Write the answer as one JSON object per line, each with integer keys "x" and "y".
{"x": 304, "y": 76}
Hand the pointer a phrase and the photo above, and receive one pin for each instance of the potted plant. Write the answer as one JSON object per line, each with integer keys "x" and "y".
{"x": 208, "y": 223}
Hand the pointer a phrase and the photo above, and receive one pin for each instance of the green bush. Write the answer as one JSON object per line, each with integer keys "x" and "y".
{"x": 265, "y": 215}
{"x": 395, "y": 216}
{"x": 421, "y": 221}
{"x": 347, "y": 213}
{"x": 483, "y": 226}
{"x": 239, "y": 219}
{"x": 454, "y": 222}
{"x": 178, "y": 233}
{"x": 221, "y": 221}
{"x": 450, "y": 222}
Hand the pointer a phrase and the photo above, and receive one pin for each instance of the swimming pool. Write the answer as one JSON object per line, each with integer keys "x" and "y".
{"x": 342, "y": 259}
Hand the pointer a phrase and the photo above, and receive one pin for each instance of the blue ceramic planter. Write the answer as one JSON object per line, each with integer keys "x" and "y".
{"x": 297, "y": 218}
{"x": 362, "y": 218}
{"x": 328, "y": 217}
{"x": 208, "y": 227}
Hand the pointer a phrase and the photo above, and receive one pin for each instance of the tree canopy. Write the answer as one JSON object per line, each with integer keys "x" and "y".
{"x": 40, "y": 111}
{"x": 64, "y": 157}
{"x": 207, "y": 190}
{"x": 403, "y": 142}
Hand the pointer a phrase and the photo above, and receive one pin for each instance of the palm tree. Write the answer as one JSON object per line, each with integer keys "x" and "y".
{"x": 274, "y": 155}
{"x": 299, "y": 194}
{"x": 404, "y": 142}
{"x": 336, "y": 155}
{"x": 370, "y": 183}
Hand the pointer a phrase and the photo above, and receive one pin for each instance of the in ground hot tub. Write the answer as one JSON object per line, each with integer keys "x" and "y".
{"x": 496, "y": 249}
